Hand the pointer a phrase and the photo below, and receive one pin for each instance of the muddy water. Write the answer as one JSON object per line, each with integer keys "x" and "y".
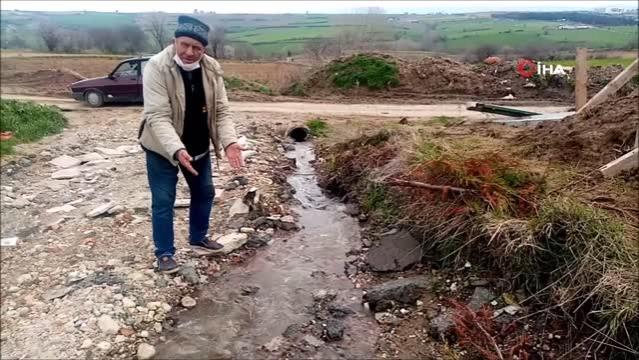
{"x": 228, "y": 324}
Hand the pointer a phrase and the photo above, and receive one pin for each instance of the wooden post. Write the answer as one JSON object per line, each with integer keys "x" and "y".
{"x": 581, "y": 78}
{"x": 612, "y": 86}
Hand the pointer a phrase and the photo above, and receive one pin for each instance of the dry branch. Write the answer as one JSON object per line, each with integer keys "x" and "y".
{"x": 398, "y": 182}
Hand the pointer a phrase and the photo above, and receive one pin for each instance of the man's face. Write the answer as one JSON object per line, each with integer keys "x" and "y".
{"x": 189, "y": 50}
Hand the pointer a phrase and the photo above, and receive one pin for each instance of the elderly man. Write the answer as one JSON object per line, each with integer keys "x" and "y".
{"x": 185, "y": 109}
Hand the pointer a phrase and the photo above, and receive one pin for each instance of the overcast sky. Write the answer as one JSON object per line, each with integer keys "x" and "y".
{"x": 328, "y": 7}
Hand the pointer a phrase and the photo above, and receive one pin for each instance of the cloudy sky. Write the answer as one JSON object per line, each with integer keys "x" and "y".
{"x": 328, "y": 7}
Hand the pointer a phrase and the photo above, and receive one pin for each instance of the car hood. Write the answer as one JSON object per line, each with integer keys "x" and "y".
{"x": 89, "y": 82}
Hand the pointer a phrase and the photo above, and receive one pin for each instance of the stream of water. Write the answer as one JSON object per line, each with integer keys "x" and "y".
{"x": 227, "y": 324}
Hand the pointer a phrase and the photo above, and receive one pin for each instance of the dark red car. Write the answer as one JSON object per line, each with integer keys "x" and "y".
{"x": 123, "y": 84}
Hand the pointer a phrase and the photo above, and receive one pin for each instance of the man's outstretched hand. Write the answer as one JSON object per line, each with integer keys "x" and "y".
{"x": 234, "y": 154}
{"x": 185, "y": 160}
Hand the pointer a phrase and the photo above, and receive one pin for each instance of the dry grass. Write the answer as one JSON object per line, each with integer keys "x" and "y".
{"x": 565, "y": 252}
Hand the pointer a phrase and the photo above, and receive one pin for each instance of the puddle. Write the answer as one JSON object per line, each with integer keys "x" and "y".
{"x": 227, "y": 324}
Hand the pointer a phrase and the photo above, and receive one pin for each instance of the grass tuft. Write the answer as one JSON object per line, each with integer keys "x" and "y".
{"x": 364, "y": 71}
{"x": 318, "y": 127}
{"x": 28, "y": 122}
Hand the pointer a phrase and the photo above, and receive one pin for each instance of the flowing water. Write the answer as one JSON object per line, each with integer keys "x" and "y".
{"x": 227, "y": 324}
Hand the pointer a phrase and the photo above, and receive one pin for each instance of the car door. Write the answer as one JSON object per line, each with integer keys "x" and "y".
{"x": 125, "y": 80}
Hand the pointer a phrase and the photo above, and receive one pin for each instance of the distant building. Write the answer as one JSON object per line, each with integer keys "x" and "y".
{"x": 574, "y": 27}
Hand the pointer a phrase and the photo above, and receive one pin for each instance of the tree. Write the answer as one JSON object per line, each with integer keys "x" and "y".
{"x": 106, "y": 40}
{"x": 315, "y": 48}
{"x": 217, "y": 40}
{"x": 50, "y": 35}
{"x": 133, "y": 39}
{"x": 156, "y": 25}
{"x": 244, "y": 51}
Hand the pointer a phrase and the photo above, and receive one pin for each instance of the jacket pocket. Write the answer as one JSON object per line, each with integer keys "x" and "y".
{"x": 141, "y": 129}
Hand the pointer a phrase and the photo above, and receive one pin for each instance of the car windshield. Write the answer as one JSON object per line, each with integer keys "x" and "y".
{"x": 127, "y": 69}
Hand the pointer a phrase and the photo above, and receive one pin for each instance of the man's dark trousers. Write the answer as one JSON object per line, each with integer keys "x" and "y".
{"x": 163, "y": 177}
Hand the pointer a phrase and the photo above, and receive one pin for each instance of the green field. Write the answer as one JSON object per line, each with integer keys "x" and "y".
{"x": 597, "y": 62}
{"x": 279, "y": 34}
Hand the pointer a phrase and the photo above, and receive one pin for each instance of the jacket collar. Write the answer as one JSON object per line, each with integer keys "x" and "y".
{"x": 207, "y": 62}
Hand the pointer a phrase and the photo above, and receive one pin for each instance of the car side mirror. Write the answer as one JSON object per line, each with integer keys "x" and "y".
{"x": 111, "y": 77}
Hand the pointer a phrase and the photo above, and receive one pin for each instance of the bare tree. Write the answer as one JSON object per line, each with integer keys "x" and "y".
{"x": 315, "y": 48}
{"x": 133, "y": 39}
{"x": 106, "y": 40}
{"x": 345, "y": 40}
{"x": 217, "y": 40}
{"x": 50, "y": 35}
{"x": 156, "y": 25}
{"x": 244, "y": 51}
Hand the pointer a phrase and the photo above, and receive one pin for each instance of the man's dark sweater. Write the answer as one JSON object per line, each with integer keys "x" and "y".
{"x": 196, "y": 130}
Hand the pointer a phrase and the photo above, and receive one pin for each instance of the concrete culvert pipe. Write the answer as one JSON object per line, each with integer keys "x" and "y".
{"x": 299, "y": 133}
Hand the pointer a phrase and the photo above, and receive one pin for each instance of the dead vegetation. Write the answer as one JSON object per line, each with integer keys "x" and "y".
{"x": 469, "y": 200}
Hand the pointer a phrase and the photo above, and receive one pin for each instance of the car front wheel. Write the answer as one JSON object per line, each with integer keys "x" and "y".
{"x": 94, "y": 98}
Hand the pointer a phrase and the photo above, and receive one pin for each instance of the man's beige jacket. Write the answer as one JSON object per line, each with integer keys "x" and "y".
{"x": 164, "y": 105}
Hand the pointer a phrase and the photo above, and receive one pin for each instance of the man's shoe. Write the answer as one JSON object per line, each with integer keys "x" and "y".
{"x": 167, "y": 265}
{"x": 207, "y": 247}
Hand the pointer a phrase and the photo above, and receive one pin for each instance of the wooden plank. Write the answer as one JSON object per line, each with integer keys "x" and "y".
{"x": 535, "y": 119}
{"x": 581, "y": 78}
{"x": 501, "y": 110}
{"x": 612, "y": 86}
{"x": 626, "y": 162}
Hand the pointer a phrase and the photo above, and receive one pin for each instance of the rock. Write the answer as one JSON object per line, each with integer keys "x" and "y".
{"x": 339, "y": 311}
{"x": 249, "y": 290}
{"x": 157, "y": 327}
{"x": 19, "y": 203}
{"x": 63, "y": 208}
{"x": 120, "y": 338}
{"x": 334, "y": 330}
{"x": 232, "y": 242}
{"x": 403, "y": 121}
{"x": 247, "y": 230}
{"x": 188, "y": 302}
{"x": 24, "y": 279}
{"x": 104, "y": 345}
{"x": 127, "y": 332}
{"x": 92, "y": 156}
{"x": 442, "y": 324}
{"x": 182, "y": 203}
{"x": 87, "y": 343}
{"x": 479, "y": 282}
{"x": 238, "y": 208}
{"x": 129, "y": 149}
{"x": 287, "y": 223}
{"x": 545, "y": 347}
{"x": 57, "y": 185}
{"x": 404, "y": 291}
{"x": 144, "y": 334}
{"x": 231, "y": 186}
{"x": 145, "y": 351}
{"x": 395, "y": 252}
{"x": 352, "y": 209}
{"x": 386, "y": 318}
{"x": 242, "y": 180}
{"x": 322, "y": 294}
{"x": 246, "y": 154}
{"x": 110, "y": 152}
{"x": 100, "y": 210}
{"x": 115, "y": 210}
{"x": 274, "y": 344}
{"x": 65, "y": 161}
{"x": 56, "y": 293}
{"x": 107, "y": 325}
{"x": 66, "y": 174}
{"x": 530, "y": 85}
{"x": 292, "y": 331}
{"x": 510, "y": 310}
{"x": 313, "y": 341}
{"x": 480, "y": 297}
{"x": 189, "y": 273}
{"x": 128, "y": 302}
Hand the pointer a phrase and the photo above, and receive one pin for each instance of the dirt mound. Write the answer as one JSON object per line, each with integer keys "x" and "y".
{"x": 49, "y": 82}
{"x": 594, "y": 138}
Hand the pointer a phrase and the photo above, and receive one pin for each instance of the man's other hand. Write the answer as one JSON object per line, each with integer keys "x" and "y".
{"x": 185, "y": 160}
{"x": 234, "y": 154}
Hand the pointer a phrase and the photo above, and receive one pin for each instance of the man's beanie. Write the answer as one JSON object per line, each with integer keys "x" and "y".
{"x": 193, "y": 28}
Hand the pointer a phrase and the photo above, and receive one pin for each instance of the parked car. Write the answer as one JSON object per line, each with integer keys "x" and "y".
{"x": 123, "y": 84}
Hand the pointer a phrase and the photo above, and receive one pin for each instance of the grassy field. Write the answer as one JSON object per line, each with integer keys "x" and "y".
{"x": 27, "y": 122}
{"x": 623, "y": 61}
{"x": 280, "y": 34}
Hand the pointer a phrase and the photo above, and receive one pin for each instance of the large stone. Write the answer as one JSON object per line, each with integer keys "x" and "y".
{"x": 395, "y": 252}
{"x": 57, "y": 185}
{"x": 313, "y": 341}
{"x": 334, "y": 330}
{"x": 481, "y": 296}
{"x": 108, "y": 325}
{"x": 56, "y": 293}
{"x": 100, "y": 210}
{"x": 65, "y": 161}
{"x": 111, "y": 152}
{"x": 232, "y": 242}
{"x": 442, "y": 324}
{"x": 92, "y": 156}
{"x": 63, "y": 208}
{"x": 66, "y": 174}
{"x": 404, "y": 291}
{"x": 189, "y": 273}
{"x": 145, "y": 351}
{"x": 238, "y": 208}
{"x": 188, "y": 302}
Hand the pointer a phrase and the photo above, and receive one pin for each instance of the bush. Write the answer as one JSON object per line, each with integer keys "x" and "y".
{"x": 28, "y": 122}
{"x": 318, "y": 127}
{"x": 366, "y": 71}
